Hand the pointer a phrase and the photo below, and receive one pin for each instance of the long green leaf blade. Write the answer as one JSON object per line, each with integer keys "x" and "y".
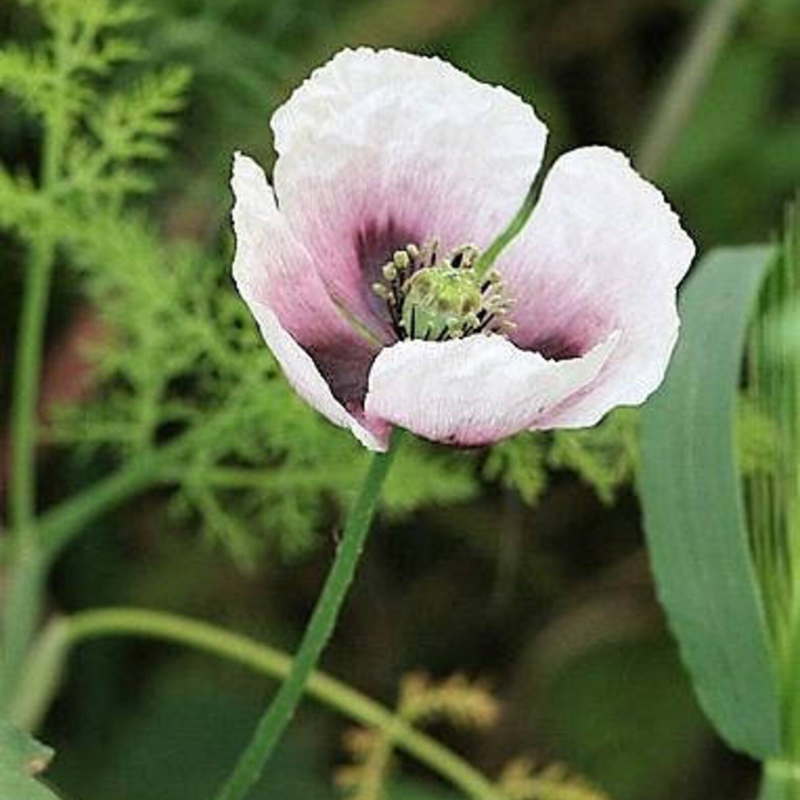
{"x": 694, "y": 518}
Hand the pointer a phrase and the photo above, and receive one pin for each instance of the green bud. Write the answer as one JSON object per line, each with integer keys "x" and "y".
{"x": 434, "y": 299}
{"x": 437, "y": 296}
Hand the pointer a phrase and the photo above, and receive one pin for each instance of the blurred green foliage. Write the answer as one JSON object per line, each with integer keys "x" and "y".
{"x": 599, "y": 705}
{"x": 21, "y": 759}
{"x": 515, "y": 539}
{"x": 180, "y": 352}
{"x": 186, "y": 357}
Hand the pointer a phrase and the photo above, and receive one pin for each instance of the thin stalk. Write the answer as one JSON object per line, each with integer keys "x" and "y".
{"x": 788, "y": 357}
{"x": 54, "y": 530}
{"x": 58, "y": 527}
{"x": 26, "y": 574}
{"x": 20, "y": 617}
{"x": 22, "y": 489}
{"x": 282, "y": 708}
{"x": 686, "y": 82}
{"x": 780, "y": 780}
{"x": 276, "y": 664}
{"x": 30, "y": 341}
{"x": 489, "y": 256}
{"x": 26, "y": 566}
{"x": 43, "y": 669}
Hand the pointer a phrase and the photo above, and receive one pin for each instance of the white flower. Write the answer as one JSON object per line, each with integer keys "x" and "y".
{"x": 388, "y": 165}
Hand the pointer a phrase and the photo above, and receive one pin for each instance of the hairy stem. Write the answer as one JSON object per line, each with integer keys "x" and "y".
{"x": 282, "y": 708}
{"x": 276, "y": 664}
{"x": 686, "y": 83}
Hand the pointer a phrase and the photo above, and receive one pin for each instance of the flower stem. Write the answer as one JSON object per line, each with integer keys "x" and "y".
{"x": 489, "y": 256}
{"x": 780, "y": 781}
{"x": 26, "y": 571}
{"x": 282, "y": 708}
{"x": 43, "y": 669}
{"x": 686, "y": 83}
{"x": 58, "y": 527}
{"x": 22, "y": 491}
{"x": 269, "y": 661}
{"x": 20, "y": 615}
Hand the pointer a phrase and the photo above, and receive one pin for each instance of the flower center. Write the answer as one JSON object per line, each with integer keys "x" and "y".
{"x": 437, "y": 298}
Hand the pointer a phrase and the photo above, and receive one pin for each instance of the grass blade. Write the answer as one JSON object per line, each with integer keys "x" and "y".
{"x": 694, "y": 517}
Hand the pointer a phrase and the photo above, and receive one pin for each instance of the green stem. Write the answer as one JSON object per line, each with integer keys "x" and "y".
{"x": 686, "y": 83}
{"x": 489, "y": 256}
{"x": 43, "y": 670}
{"x": 30, "y": 342}
{"x": 54, "y": 530}
{"x": 282, "y": 708}
{"x": 59, "y": 526}
{"x": 26, "y": 573}
{"x": 22, "y": 489}
{"x": 276, "y": 664}
{"x": 19, "y": 618}
{"x": 780, "y": 781}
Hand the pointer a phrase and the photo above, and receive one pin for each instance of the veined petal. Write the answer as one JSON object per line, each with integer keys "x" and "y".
{"x": 381, "y": 148}
{"x": 296, "y": 317}
{"x": 603, "y": 251}
{"x": 302, "y": 373}
{"x": 272, "y": 263}
{"x": 476, "y": 390}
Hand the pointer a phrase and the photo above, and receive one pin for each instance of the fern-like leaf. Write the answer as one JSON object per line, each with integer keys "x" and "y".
{"x": 125, "y": 129}
{"x": 456, "y": 700}
{"x": 21, "y": 206}
{"x": 29, "y": 76}
{"x": 520, "y": 781}
{"x": 518, "y": 464}
{"x": 605, "y": 456}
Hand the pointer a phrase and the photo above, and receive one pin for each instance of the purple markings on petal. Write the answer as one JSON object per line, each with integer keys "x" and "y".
{"x": 384, "y": 144}
{"x": 559, "y": 346}
{"x": 346, "y": 373}
{"x": 276, "y": 278}
{"x": 602, "y": 251}
{"x": 378, "y": 150}
{"x": 374, "y": 245}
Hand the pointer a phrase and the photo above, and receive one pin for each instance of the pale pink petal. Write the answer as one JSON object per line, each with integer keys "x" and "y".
{"x": 274, "y": 276}
{"x": 602, "y": 252}
{"x": 302, "y": 373}
{"x": 379, "y": 149}
{"x": 476, "y": 390}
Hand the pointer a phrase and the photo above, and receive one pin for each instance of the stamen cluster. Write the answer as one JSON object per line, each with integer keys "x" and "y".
{"x": 435, "y": 298}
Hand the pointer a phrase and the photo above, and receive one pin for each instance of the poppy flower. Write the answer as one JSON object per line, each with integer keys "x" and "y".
{"x": 365, "y": 263}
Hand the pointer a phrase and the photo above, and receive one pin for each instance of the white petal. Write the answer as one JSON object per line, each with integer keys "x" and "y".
{"x": 603, "y": 251}
{"x": 476, "y": 390}
{"x": 379, "y": 149}
{"x": 269, "y": 264}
